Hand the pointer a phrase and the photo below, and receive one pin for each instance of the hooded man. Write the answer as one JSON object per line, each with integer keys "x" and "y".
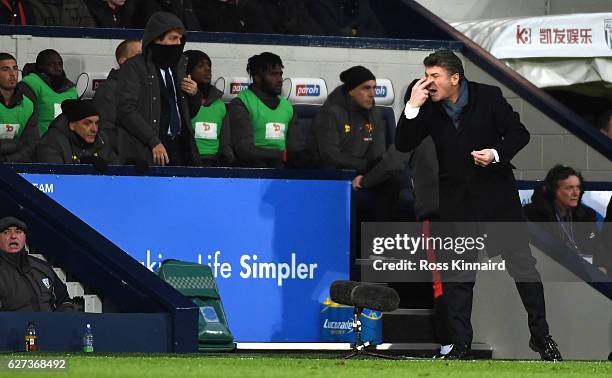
{"x": 211, "y": 125}
{"x": 27, "y": 283}
{"x": 157, "y": 99}
{"x": 18, "y": 115}
{"x": 49, "y": 85}
{"x": 73, "y": 137}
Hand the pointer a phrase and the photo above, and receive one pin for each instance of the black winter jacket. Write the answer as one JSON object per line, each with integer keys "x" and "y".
{"x": 106, "y": 101}
{"x": 606, "y": 233}
{"x": 183, "y": 9}
{"x": 73, "y": 13}
{"x": 105, "y": 17}
{"x": 62, "y": 146}
{"x": 139, "y": 98}
{"x": 350, "y": 137}
{"x": 30, "y": 284}
{"x": 469, "y": 192}
{"x": 347, "y": 18}
{"x": 583, "y": 227}
{"x": 279, "y": 17}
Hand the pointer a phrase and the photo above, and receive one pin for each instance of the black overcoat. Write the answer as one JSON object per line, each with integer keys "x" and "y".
{"x": 469, "y": 192}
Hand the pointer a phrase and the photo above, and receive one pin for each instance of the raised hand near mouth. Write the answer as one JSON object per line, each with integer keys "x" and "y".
{"x": 419, "y": 93}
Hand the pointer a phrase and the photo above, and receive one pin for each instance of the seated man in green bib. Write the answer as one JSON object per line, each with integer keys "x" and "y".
{"x": 18, "y": 116}
{"x": 50, "y": 86}
{"x": 211, "y": 124}
{"x": 264, "y": 125}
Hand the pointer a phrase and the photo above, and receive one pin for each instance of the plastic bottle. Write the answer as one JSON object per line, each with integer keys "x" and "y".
{"x": 31, "y": 338}
{"x": 88, "y": 340}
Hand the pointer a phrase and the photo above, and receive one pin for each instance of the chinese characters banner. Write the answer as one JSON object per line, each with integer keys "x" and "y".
{"x": 576, "y": 35}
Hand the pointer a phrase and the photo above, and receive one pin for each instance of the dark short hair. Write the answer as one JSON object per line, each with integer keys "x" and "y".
{"x": 447, "y": 60}
{"x": 180, "y": 30}
{"x": 6, "y": 56}
{"x": 603, "y": 121}
{"x": 43, "y": 57}
{"x": 122, "y": 49}
{"x": 559, "y": 173}
{"x": 258, "y": 64}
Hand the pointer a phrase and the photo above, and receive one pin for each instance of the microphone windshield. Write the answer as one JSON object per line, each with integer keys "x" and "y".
{"x": 375, "y": 297}
{"x": 340, "y": 291}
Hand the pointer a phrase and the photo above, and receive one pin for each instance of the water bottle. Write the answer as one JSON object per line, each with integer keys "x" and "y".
{"x": 31, "y": 338}
{"x": 88, "y": 340}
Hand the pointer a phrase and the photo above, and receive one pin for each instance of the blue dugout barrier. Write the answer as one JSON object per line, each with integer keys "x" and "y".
{"x": 63, "y": 332}
{"x": 275, "y": 239}
{"x": 98, "y": 263}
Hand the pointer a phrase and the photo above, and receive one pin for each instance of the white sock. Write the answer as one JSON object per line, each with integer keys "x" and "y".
{"x": 445, "y": 349}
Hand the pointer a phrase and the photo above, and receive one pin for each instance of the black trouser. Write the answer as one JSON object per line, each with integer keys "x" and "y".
{"x": 175, "y": 150}
{"x": 459, "y": 285}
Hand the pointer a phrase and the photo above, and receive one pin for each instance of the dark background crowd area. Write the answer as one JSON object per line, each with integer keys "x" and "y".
{"x": 348, "y": 18}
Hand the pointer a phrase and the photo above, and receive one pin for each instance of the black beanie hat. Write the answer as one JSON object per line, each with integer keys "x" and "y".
{"x": 76, "y": 110}
{"x": 7, "y": 222}
{"x": 194, "y": 57}
{"x": 355, "y": 76}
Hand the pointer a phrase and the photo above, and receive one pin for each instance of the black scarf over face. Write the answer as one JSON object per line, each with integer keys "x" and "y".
{"x": 165, "y": 56}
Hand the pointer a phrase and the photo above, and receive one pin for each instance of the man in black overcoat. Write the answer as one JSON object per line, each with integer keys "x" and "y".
{"x": 476, "y": 134}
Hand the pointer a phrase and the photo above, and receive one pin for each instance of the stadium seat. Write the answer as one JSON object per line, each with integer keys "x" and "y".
{"x": 231, "y": 86}
{"x": 82, "y": 300}
{"x": 305, "y": 90}
{"x": 307, "y": 96}
{"x": 88, "y": 82}
{"x": 384, "y": 97}
{"x": 197, "y": 282}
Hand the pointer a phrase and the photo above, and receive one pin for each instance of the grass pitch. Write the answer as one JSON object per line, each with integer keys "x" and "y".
{"x": 295, "y": 366}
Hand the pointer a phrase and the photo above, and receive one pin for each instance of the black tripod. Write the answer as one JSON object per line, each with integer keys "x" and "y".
{"x": 359, "y": 347}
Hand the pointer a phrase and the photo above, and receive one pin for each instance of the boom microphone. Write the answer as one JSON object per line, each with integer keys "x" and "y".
{"x": 375, "y": 297}
{"x": 340, "y": 291}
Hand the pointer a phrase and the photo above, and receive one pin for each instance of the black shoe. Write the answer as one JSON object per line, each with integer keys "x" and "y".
{"x": 460, "y": 351}
{"x": 546, "y": 347}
